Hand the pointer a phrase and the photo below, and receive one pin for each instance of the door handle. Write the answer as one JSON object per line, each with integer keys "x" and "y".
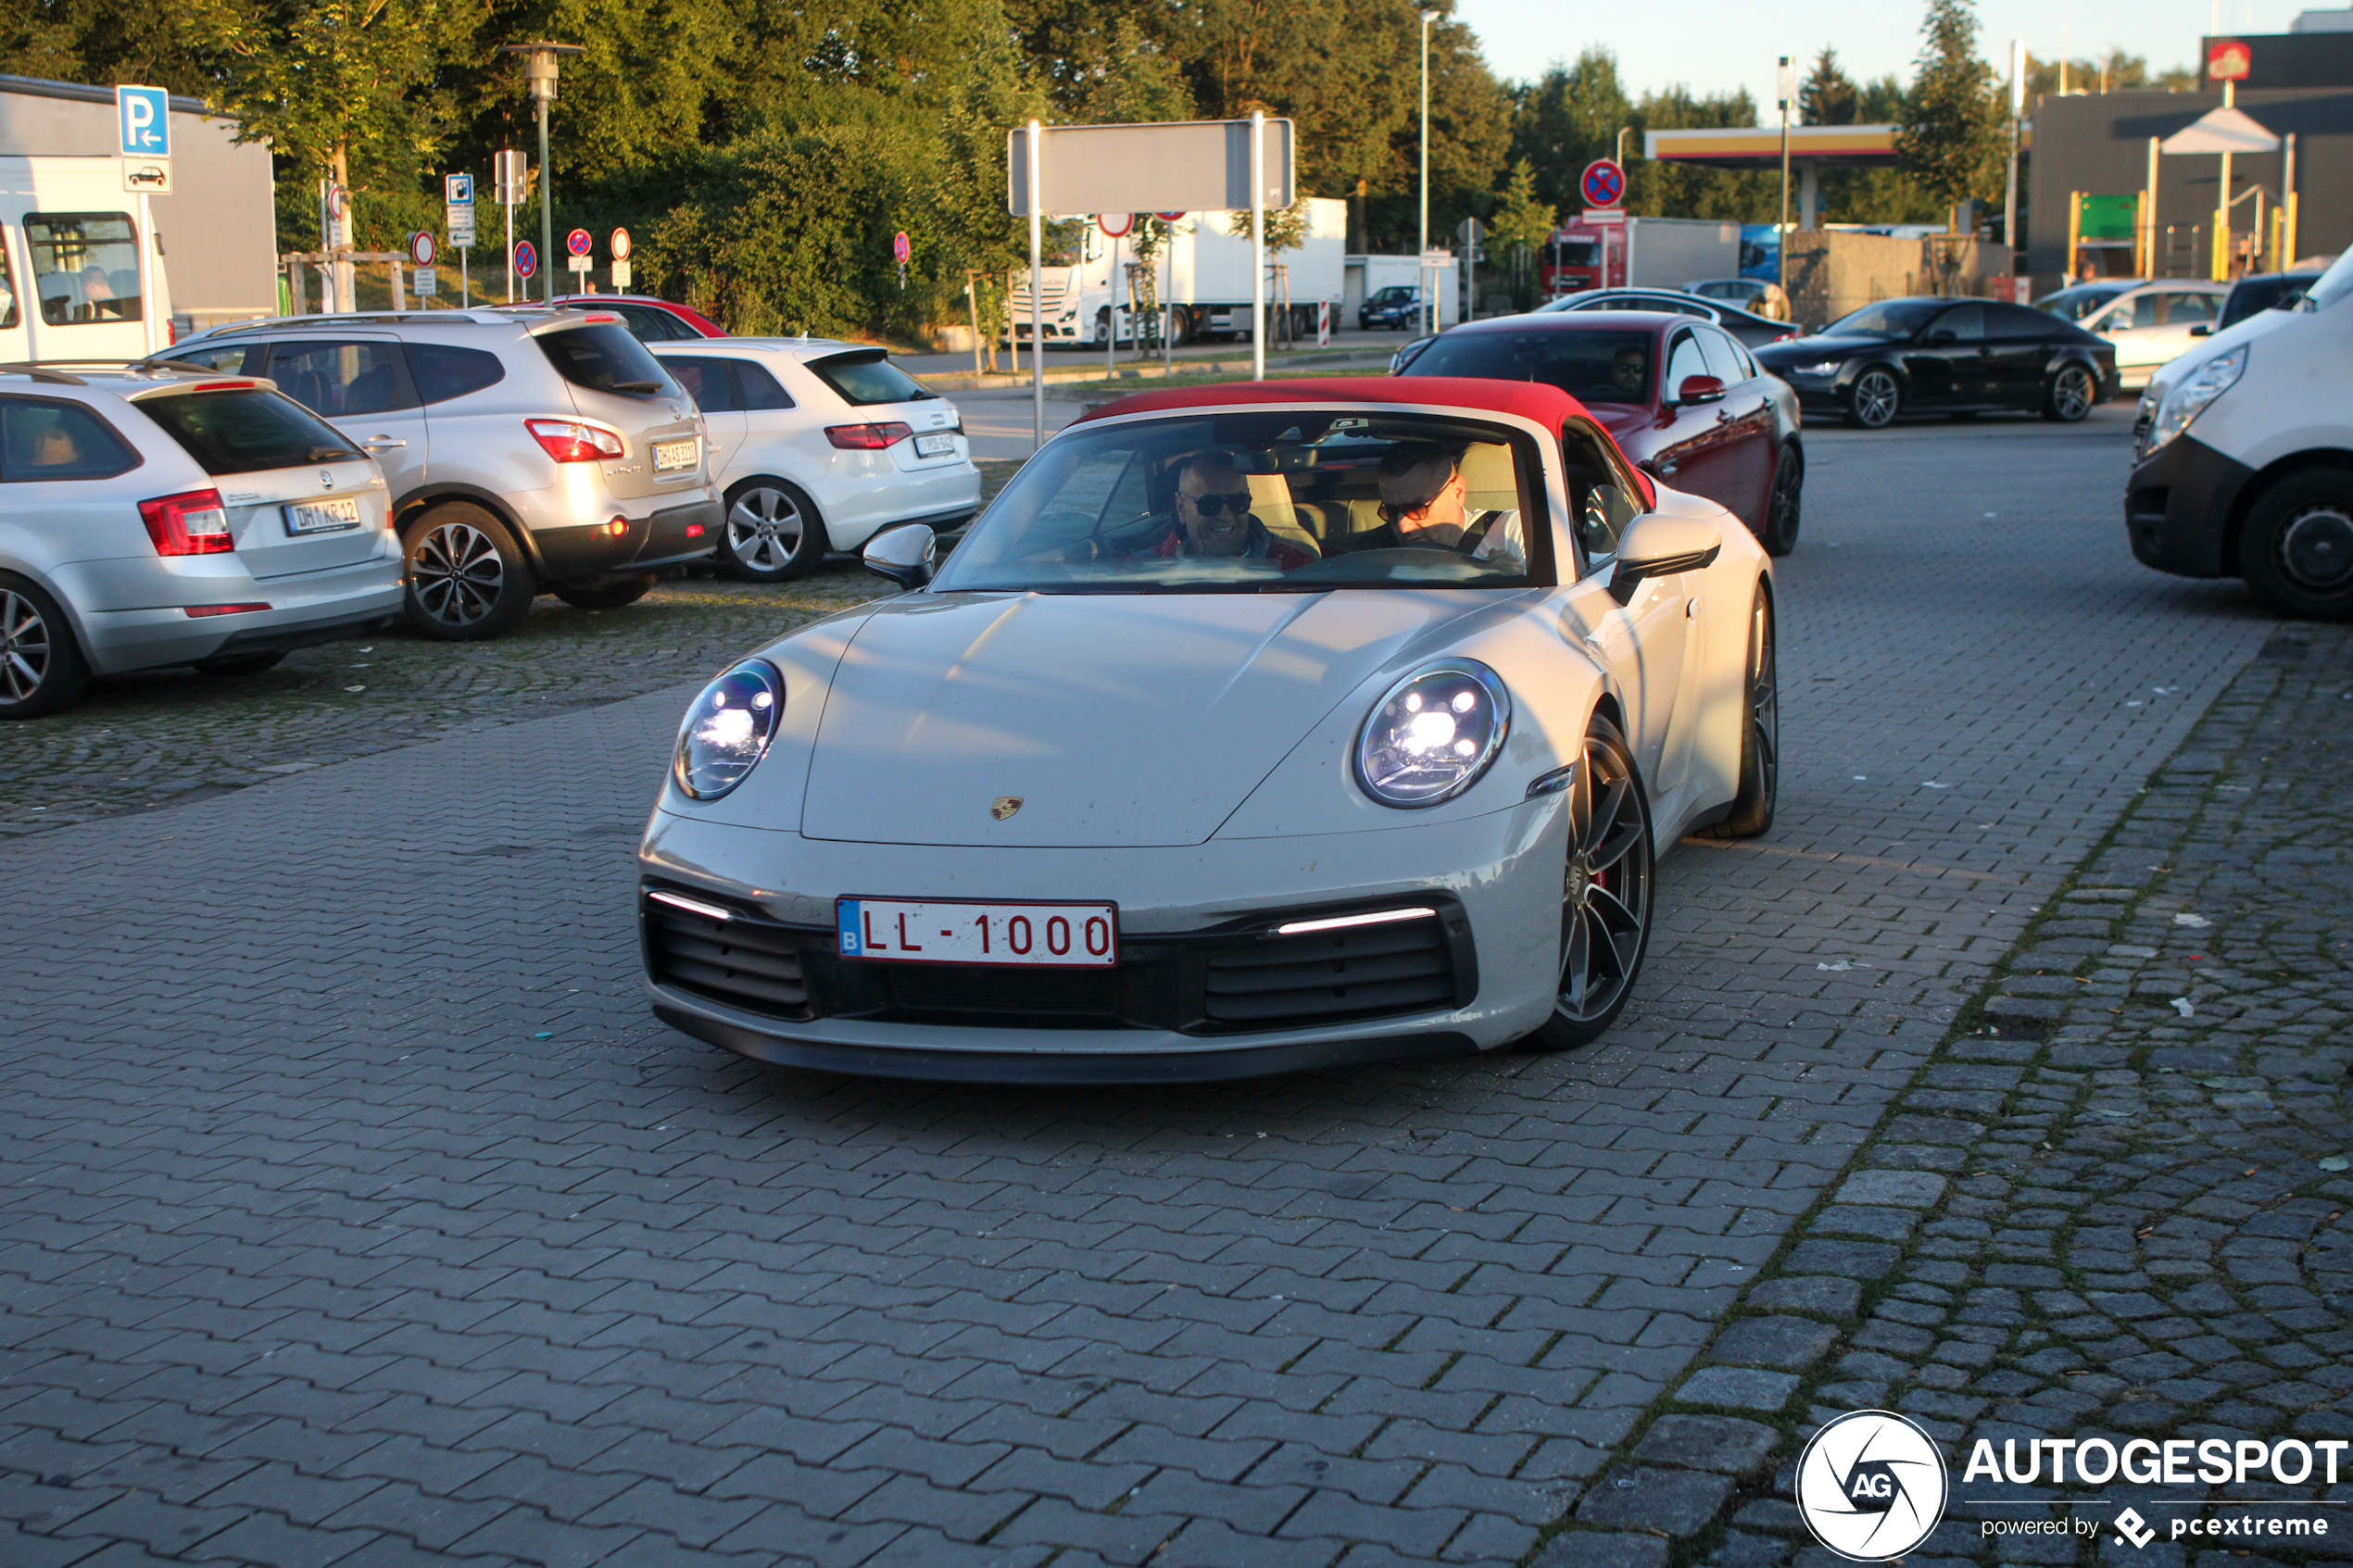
{"x": 382, "y": 443}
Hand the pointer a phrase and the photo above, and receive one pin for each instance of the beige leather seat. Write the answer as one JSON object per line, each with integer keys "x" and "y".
{"x": 1271, "y": 504}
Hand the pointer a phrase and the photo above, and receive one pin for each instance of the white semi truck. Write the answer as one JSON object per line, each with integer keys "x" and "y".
{"x": 1202, "y": 274}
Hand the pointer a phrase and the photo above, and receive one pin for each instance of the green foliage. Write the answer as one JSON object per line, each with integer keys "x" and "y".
{"x": 1950, "y": 139}
{"x": 1520, "y": 220}
{"x": 1828, "y": 96}
{"x": 1285, "y": 226}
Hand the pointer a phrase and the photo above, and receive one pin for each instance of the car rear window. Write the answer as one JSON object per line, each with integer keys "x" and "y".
{"x": 246, "y": 432}
{"x": 443, "y": 373}
{"x": 602, "y": 357}
{"x": 869, "y": 377}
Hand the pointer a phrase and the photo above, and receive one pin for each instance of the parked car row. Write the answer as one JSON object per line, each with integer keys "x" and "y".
{"x": 448, "y": 466}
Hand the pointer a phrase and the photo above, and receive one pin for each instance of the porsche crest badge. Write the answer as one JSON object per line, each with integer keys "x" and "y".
{"x": 1004, "y": 805}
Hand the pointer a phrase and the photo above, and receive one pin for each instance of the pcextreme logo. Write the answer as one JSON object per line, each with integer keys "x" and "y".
{"x": 1871, "y": 1485}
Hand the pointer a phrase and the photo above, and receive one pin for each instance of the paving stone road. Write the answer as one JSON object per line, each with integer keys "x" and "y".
{"x": 356, "y": 1212}
{"x": 2113, "y": 1206}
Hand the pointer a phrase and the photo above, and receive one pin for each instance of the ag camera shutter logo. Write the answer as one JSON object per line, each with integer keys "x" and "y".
{"x": 1871, "y": 1485}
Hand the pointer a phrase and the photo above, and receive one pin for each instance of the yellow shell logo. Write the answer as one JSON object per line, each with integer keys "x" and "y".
{"x": 1004, "y": 805}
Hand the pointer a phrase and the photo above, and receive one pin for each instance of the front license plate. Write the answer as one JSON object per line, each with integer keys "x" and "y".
{"x": 1043, "y": 935}
{"x": 322, "y": 517}
{"x": 671, "y": 456}
{"x": 940, "y": 443}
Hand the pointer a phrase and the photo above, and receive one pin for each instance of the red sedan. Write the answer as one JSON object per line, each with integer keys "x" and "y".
{"x": 1683, "y": 398}
{"x": 648, "y": 318}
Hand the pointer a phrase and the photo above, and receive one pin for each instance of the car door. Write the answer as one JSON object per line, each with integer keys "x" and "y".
{"x": 1746, "y": 418}
{"x": 2018, "y": 344}
{"x": 1946, "y": 362}
{"x": 2134, "y": 325}
{"x": 710, "y": 379}
{"x": 1642, "y": 645}
{"x": 1696, "y": 454}
{"x": 360, "y": 385}
{"x": 2181, "y": 312}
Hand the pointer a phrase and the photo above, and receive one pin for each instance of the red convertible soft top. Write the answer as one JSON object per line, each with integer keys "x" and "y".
{"x": 1547, "y": 406}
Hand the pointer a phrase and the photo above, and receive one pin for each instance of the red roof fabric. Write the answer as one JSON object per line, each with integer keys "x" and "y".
{"x": 1547, "y": 406}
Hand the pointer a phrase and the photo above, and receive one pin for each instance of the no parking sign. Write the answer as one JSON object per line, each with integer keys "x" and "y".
{"x": 1603, "y": 183}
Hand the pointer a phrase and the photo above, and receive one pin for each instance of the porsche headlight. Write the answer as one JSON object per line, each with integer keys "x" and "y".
{"x": 728, "y": 728}
{"x": 2190, "y": 396}
{"x": 1433, "y": 735}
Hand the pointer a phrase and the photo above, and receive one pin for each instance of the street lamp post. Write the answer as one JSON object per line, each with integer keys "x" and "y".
{"x": 2010, "y": 186}
{"x": 1786, "y": 85}
{"x": 1429, "y": 290}
{"x": 539, "y": 84}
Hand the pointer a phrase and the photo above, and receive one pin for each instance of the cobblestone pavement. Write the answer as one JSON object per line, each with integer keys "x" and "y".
{"x": 356, "y": 1212}
{"x": 2113, "y": 1205}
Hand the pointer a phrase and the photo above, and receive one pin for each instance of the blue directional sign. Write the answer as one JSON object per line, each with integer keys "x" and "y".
{"x": 142, "y": 115}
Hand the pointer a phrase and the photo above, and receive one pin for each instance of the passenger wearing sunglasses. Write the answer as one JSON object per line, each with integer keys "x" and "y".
{"x": 1424, "y": 503}
{"x": 1213, "y": 516}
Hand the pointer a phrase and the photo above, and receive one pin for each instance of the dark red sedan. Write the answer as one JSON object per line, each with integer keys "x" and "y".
{"x": 1684, "y": 399}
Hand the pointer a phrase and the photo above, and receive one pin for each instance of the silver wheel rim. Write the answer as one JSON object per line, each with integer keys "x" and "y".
{"x": 2072, "y": 396}
{"x": 1875, "y": 397}
{"x": 764, "y": 528}
{"x": 1605, "y": 890}
{"x": 2316, "y": 548}
{"x": 25, "y": 652}
{"x": 458, "y": 573}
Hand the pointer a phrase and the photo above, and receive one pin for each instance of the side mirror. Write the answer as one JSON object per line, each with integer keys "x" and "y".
{"x": 1700, "y": 389}
{"x": 1660, "y": 545}
{"x": 903, "y": 554}
{"x": 2202, "y": 330}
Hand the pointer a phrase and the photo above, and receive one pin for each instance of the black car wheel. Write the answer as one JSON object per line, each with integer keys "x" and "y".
{"x": 468, "y": 580}
{"x": 1875, "y": 399}
{"x": 2297, "y": 547}
{"x": 1781, "y": 509}
{"x": 1752, "y": 811}
{"x": 1606, "y": 894}
{"x": 2070, "y": 395}
{"x": 774, "y": 533}
{"x": 41, "y": 665}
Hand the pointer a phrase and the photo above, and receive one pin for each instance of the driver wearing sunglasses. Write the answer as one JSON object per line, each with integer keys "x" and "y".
{"x": 1424, "y": 502}
{"x": 1213, "y": 516}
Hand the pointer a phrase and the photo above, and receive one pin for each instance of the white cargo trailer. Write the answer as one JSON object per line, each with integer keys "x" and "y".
{"x": 1667, "y": 253}
{"x": 1204, "y": 276}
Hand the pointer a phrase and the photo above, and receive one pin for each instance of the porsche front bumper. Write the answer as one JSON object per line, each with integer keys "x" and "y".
{"x": 1494, "y": 880}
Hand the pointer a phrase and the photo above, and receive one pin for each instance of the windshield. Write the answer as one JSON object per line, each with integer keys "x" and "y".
{"x": 1396, "y": 294}
{"x": 1894, "y": 318}
{"x": 2334, "y": 284}
{"x": 1258, "y": 502}
{"x": 2073, "y": 305}
{"x": 1592, "y": 367}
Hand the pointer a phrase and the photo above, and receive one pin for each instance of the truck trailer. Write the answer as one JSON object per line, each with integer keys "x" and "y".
{"x": 1652, "y": 253}
{"x": 1202, "y": 274}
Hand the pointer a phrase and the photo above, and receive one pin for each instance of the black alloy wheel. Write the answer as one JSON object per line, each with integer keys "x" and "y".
{"x": 2069, "y": 397}
{"x": 42, "y": 668}
{"x": 1761, "y": 780}
{"x": 1783, "y": 507}
{"x": 1606, "y": 893}
{"x": 2297, "y": 549}
{"x": 1875, "y": 399}
{"x": 468, "y": 582}
{"x": 773, "y": 534}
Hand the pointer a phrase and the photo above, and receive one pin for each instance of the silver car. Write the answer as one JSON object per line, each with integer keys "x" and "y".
{"x": 528, "y": 451}
{"x": 151, "y": 518}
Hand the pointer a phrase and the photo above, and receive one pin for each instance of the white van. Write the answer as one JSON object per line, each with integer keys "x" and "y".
{"x": 2244, "y": 457}
{"x": 80, "y": 274}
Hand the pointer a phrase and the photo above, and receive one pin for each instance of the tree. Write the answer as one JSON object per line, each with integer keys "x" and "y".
{"x": 1567, "y": 119}
{"x": 1950, "y": 140}
{"x": 1828, "y": 96}
{"x": 1521, "y": 224}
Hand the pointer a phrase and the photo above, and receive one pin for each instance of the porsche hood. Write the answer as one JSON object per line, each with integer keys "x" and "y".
{"x": 1113, "y": 720}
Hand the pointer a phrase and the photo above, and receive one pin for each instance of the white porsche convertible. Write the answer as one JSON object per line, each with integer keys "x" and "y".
{"x": 1252, "y": 729}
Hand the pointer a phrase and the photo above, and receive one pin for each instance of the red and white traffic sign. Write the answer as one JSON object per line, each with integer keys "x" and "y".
{"x": 1168, "y": 217}
{"x": 1117, "y": 225}
{"x": 901, "y": 247}
{"x": 2228, "y": 59}
{"x": 621, "y": 245}
{"x": 1603, "y": 183}
{"x": 526, "y": 258}
{"x": 420, "y": 248}
{"x": 578, "y": 241}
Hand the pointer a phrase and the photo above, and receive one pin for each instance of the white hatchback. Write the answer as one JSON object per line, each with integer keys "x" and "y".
{"x": 818, "y": 445}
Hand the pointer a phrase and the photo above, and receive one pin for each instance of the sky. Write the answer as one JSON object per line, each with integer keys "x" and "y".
{"x": 1725, "y": 44}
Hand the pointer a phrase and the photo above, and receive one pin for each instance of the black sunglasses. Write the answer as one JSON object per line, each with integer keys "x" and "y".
{"x": 1237, "y": 502}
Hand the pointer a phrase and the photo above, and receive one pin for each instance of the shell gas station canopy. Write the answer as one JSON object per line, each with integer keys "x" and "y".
{"x": 1812, "y": 148}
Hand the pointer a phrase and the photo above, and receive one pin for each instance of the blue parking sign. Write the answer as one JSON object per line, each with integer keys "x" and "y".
{"x": 458, "y": 190}
{"x": 143, "y": 116}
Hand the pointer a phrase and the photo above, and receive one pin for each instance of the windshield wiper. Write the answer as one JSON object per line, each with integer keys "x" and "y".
{"x": 636, "y": 386}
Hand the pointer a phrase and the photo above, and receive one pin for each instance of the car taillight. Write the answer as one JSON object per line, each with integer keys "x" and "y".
{"x": 868, "y": 438}
{"x": 568, "y": 440}
{"x": 191, "y": 523}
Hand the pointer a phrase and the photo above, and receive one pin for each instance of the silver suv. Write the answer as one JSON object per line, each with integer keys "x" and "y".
{"x": 150, "y": 517}
{"x": 529, "y": 451}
